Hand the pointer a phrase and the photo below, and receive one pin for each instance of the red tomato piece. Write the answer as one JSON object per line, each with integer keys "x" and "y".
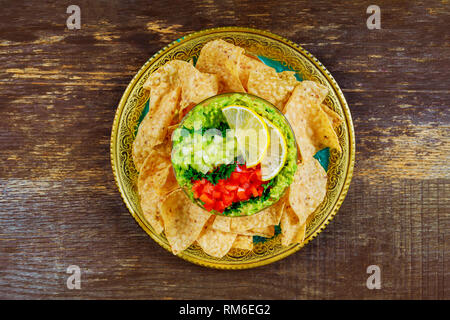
{"x": 241, "y": 194}
{"x": 219, "y": 206}
{"x": 231, "y": 187}
{"x": 216, "y": 194}
{"x": 235, "y": 176}
{"x": 208, "y": 207}
{"x": 254, "y": 191}
{"x": 260, "y": 190}
{"x": 259, "y": 174}
{"x": 243, "y": 178}
{"x": 228, "y": 199}
{"x": 196, "y": 193}
{"x": 206, "y": 199}
{"x": 208, "y": 188}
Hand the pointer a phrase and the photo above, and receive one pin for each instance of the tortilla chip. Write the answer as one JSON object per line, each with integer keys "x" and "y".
{"x": 266, "y": 232}
{"x": 267, "y": 84}
{"x": 214, "y": 242}
{"x": 267, "y": 217}
{"x": 159, "y": 83}
{"x": 246, "y": 65}
{"x": 312, "y": 128}
{"x": 222, "y": 58}
{"x": 183, "y": 220}
{"x": 308, "y": 189}
{"x": 313, "y": 91}
{"x": 333, "y": 116}
{"x": 222, "y": 223}
{"x": 195, "y": 86}
{"x": 153, "y": 128}
{"x": 279, "y": 207}
{"x": 290, "y": 227}
{"x": 289, "y": 77}
{"x": 171, "y": 182}
{"x": 300, "y": 237}
{"x": 154, "y": 174}
{"x": 243, "y": 242}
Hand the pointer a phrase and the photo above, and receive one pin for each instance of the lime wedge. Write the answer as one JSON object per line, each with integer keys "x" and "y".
{"x": 251, "y": 133}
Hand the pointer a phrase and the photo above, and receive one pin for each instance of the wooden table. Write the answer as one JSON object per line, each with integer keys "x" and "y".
{"x": 59, "y": 205}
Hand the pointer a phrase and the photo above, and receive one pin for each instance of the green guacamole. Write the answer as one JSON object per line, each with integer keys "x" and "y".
{"x": 208, "y": 115}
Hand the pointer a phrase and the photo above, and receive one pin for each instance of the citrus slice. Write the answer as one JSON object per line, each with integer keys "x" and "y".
{"x": 251, "y": 133}
{"x": 275, "y": 157}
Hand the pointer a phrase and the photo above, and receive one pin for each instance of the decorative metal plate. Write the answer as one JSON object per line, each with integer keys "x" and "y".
{"x": 257, "y": 42}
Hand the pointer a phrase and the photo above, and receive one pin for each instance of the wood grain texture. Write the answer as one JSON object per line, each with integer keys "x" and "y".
{"x": 59, "y": 205}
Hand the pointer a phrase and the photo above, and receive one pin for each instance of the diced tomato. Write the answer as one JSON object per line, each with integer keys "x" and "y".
{"x": 259, "y": 174}
{"x": 235, "y": 176}
{"x": 219, "y": 206}
{"x": 196, "y": 193}
{"x": 208, "y": 188}
{"x": 228, "y": 199}
{"x": 231, "y": 187}
{"x": 243, "y": 178}
{"x": 221, "y": 182}
{"x": 260, "y": 190}
{"x": 208, "y": 207}
{"x": 197, "y": 189}
{"x": 241, "y": 194}
{"x": 220, "y": 186}
{"x": 206, "y": 199}
{"x": 254, "y": 191}
{"x": 243, "y": 184}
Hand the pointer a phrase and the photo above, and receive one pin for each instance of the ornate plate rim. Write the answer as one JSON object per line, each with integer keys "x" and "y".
{"x": 330, "y": 79}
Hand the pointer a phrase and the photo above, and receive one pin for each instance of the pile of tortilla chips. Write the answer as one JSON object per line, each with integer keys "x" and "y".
{"x": 178, "y": 86}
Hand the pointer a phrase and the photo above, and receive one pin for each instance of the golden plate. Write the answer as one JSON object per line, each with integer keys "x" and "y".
{"x": 257, "y": 42}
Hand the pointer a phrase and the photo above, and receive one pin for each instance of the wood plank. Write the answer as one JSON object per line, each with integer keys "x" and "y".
{"x": 59, "y": 205}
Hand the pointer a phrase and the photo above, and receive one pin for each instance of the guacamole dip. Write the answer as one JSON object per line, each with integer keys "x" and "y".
{"x": 210, "y": 168}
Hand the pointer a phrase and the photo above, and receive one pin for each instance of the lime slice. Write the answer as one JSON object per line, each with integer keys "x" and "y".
{"x": 275, "y": 157}
{"x": 251, "y": 133}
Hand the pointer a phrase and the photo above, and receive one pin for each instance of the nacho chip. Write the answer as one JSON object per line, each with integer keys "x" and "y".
{"x": 308, "y": 190}
{"x": 222, "y": 223}
{"x": 153, "y": 128}
{"x": 171, "y": 183}
{"x": 289, "y": 77}
{"x": 313, "y": 91}
{"x": 266, "y": 232}
{"x": 246, "y": 65}
{"x": 183, "y": 220}
{"x": 279, "y": 207}
{"x": 159, "y": 83}
{"x": 222, "y": 58}
{"x": 154, "y": 174}
{"x": 301, "y": 234}
{"x": 291, "y": 228}
{"x": 195, "y": 85}
{"x": 243, "y": 242}
{"x": 333, "y": 116}
{"x": 267, "y": 84}
{"x": 267, "y": 217}
{"x": 312, "y": 128}
{"x": 214, "y": 242}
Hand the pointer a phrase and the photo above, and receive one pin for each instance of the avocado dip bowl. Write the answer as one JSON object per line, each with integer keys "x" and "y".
{"x": 234, "y": 154}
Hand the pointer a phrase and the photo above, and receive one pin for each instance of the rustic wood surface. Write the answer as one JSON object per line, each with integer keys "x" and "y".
{"x": 59, "y": 205}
